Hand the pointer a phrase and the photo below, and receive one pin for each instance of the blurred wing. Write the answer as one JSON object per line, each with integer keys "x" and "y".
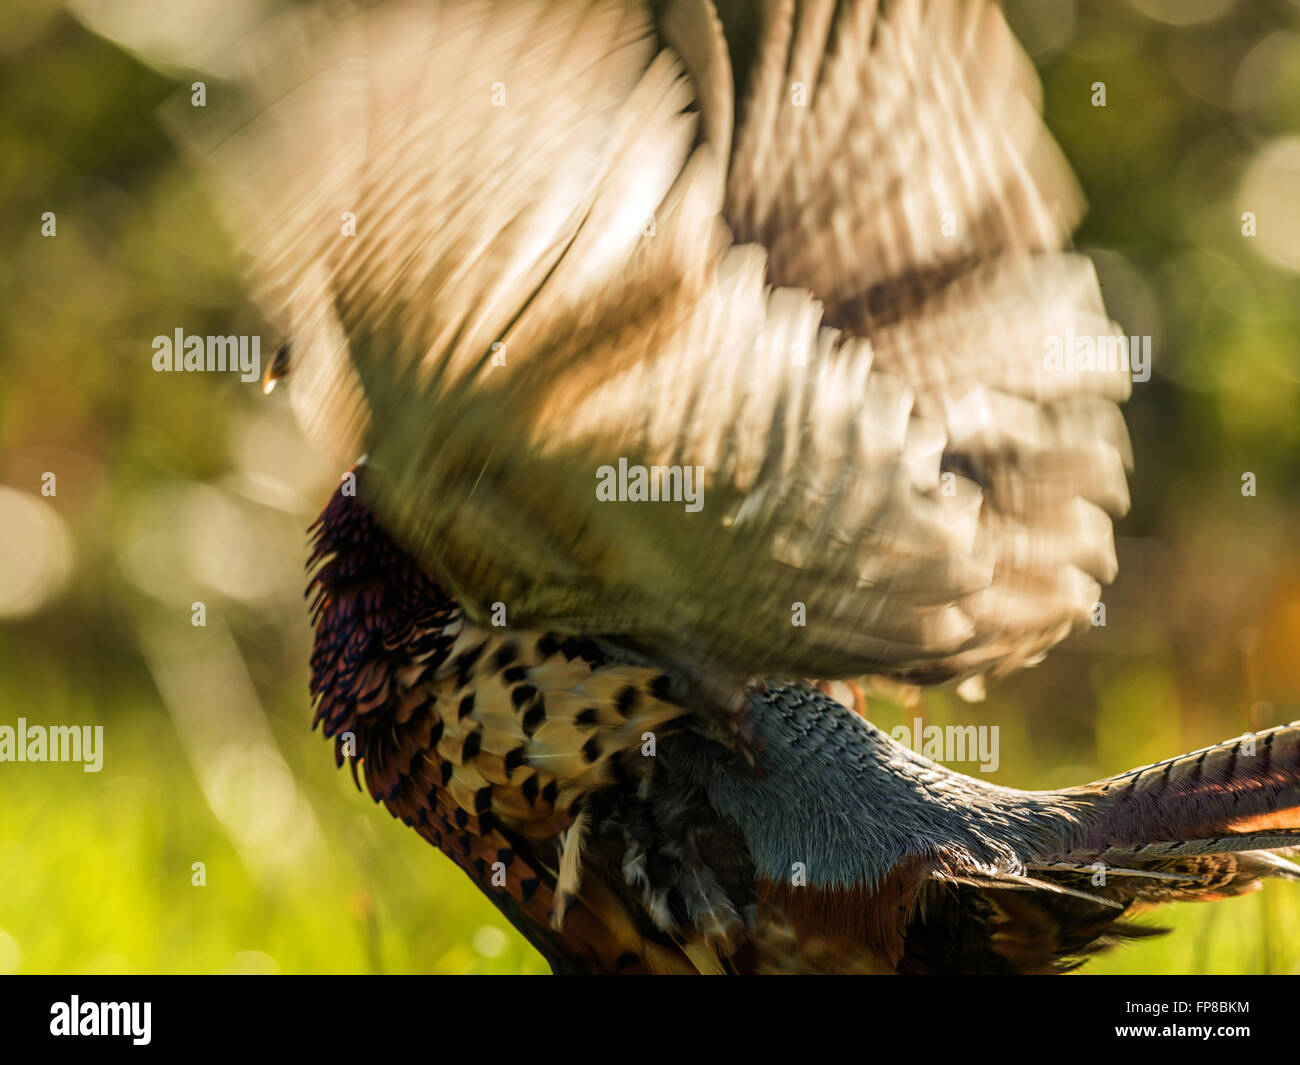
{"x": 896, "y": 164}
{"x": 495, "y": 232}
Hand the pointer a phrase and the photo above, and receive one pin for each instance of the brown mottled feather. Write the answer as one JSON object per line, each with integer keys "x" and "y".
{"x": 518, "y": 755}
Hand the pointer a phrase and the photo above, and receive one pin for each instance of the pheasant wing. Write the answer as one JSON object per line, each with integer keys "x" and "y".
{"x": 498, "y": 235}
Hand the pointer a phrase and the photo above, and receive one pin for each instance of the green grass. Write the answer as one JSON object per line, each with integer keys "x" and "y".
{"x": 1259, "y": 933}
{"x": 98, "y": 878}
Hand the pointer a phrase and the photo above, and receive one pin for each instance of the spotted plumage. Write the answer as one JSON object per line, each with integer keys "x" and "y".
{"x": 488, "y": 742}
{"x": 587, "y": 798}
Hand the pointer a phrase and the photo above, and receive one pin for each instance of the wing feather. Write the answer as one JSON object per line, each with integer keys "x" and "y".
{"x": 567, "y": 252}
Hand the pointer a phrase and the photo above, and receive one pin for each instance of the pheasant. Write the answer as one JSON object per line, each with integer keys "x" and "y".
{"x": 592, "y": 797}
{"x": 814, "y": 253}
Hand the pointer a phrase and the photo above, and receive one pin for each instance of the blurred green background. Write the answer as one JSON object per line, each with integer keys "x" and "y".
{"x": 179, "y": 489}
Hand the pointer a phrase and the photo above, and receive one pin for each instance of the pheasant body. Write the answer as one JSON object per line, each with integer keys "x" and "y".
{"x": 579, "y": 790}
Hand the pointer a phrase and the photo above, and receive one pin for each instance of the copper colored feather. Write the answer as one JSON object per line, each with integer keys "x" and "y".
{"x": 583, "y": 793}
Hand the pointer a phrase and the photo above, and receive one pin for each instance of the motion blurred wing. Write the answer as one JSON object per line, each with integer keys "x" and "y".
{"x": 543, "y": 281}
{"x": 895, "y": 163}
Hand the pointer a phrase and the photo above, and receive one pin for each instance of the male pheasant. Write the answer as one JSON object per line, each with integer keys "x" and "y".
{"x": 516, "y": 242}
{"x": 594, "y": 798}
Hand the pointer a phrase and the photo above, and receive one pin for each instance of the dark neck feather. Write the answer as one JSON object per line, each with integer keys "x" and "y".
{"x": 374, "y": 611}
